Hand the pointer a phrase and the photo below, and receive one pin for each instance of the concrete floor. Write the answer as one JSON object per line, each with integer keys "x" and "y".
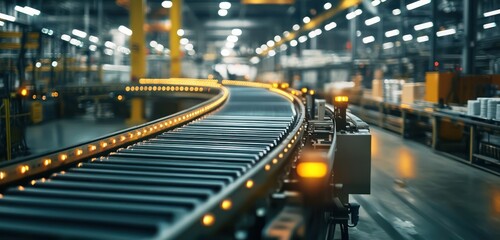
{"x": 58, "y": 134}
{"x": 416, "y": 194}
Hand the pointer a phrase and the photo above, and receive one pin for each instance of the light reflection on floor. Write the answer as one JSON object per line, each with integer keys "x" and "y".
{"x": 418, "y": 194}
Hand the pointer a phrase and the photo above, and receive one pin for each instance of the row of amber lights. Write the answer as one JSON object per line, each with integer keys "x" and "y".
{"x": 209, "y": 219}
{"x": 164, "y": 88}
{"x": 184, "y": 81}
{"x": 111, "y": 142}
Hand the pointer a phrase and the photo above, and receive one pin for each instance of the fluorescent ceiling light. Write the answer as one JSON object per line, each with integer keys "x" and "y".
{"x": 79, "y": 33}
{"x": 108, "y": 52}
{"x": 225, "y": 5}
{"x": 254, "y": 60}
{"x": 302, "y": 39}
{"x": 190, "y": 46}
{"x": 392, "y": 33}
{"x": 491, "y": 13}
{"x": 228, "y": 45}
{"x": 277, "y": 38}
{"x": 225, "y": 52}
{"x": 354, "y": 14}
{"x": 376, "y": 3}
{"x": 489, "y": 25}
{"x": 407, "y": 37}
{"x": 368, "y": 39}
{"x": 258, "y": 50}
{"x": 396, "y": 11}
{"x": 232, "y": 38}
{"x": 93, "y": 48}
{"x": 236, "y": 32}
{"x": 7, "y": 17}
{"x": 109, "y": 44}
{"x": 417, "y": 4}
{"x": 270, "y": 43}
{"x": 66, "y": 37}
{"x": 93, "y": 39}
{"x": 423, "y": 39}
{"x": 34, "y": 11}
{"x": 388, "y": 45}
{"x": 327, "y": 6}
{"x": 423, "y": 26}
{"x": 27, "y": 10}
{"x": 311, "y": 34}
{"x": 166, "y": 4}
{"x": 159, "y": 47}
{"x": 350, "y": 15}
{"x": 124, "y": 50}
{"x": 75, "y": 42}
{"x": 296, "y": 27}
{"x": 293, "y": 43}
{"x": 318, "y": 32}
{"x": 125, "y": 30}
{"x": 306, "y": 19}
{"x": 330, "y": 26}
{"x": 180, "y": 32}
{"x": 446, "y": 32}
{"x": 371, "y": 21}
{"x": 271, "y": 53}
{"x": 222, "y": 12}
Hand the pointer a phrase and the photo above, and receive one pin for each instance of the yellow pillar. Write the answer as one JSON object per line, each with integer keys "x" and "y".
{"x": 137, "y": 40}
{"x": 175, "y": 51}
{"x": 137, "y": 57}
{"x": 136, "y": 112}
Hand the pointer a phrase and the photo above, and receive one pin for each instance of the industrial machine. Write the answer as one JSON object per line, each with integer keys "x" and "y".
{"x": 254, "y": 161}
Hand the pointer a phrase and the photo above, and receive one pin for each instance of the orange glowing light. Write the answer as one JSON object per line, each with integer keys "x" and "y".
{"x": 249, "y": 184}
{"x": 341, "y": 99}
{"x": 208, "y": 220}
{"x": 312, "y": 169}
{"x": 226, "y": 204}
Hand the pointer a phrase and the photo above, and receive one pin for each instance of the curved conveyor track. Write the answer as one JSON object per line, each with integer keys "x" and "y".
{"x": 144, "y": 190}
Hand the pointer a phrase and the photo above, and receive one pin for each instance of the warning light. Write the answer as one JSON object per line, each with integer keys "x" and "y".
{"x": 436, "y": 64}
{"x": 24, "y": 92}
{"x": 341, "y": 99}
{"x": 312, "y": 169}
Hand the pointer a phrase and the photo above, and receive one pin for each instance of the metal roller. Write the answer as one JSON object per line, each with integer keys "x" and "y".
{"x": 142, "y": 190}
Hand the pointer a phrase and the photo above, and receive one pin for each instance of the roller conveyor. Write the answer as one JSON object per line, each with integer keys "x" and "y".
{"x": 149, "y": 188}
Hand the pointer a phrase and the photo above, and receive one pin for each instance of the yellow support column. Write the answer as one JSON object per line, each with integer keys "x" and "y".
{"x": 175, "y": 51}
{"x": 136, "y": 112}
{"x": 137, "y": 57}
{"x": 137, "y": 40}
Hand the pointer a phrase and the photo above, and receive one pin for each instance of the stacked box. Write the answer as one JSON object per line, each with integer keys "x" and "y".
{"x": 413, "y": 92}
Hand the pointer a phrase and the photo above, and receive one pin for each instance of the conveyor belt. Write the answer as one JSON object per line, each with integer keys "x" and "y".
{"x": 147, "y": 188}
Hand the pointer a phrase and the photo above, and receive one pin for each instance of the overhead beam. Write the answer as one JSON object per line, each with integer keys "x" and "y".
{"x": 314, "y": 23}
